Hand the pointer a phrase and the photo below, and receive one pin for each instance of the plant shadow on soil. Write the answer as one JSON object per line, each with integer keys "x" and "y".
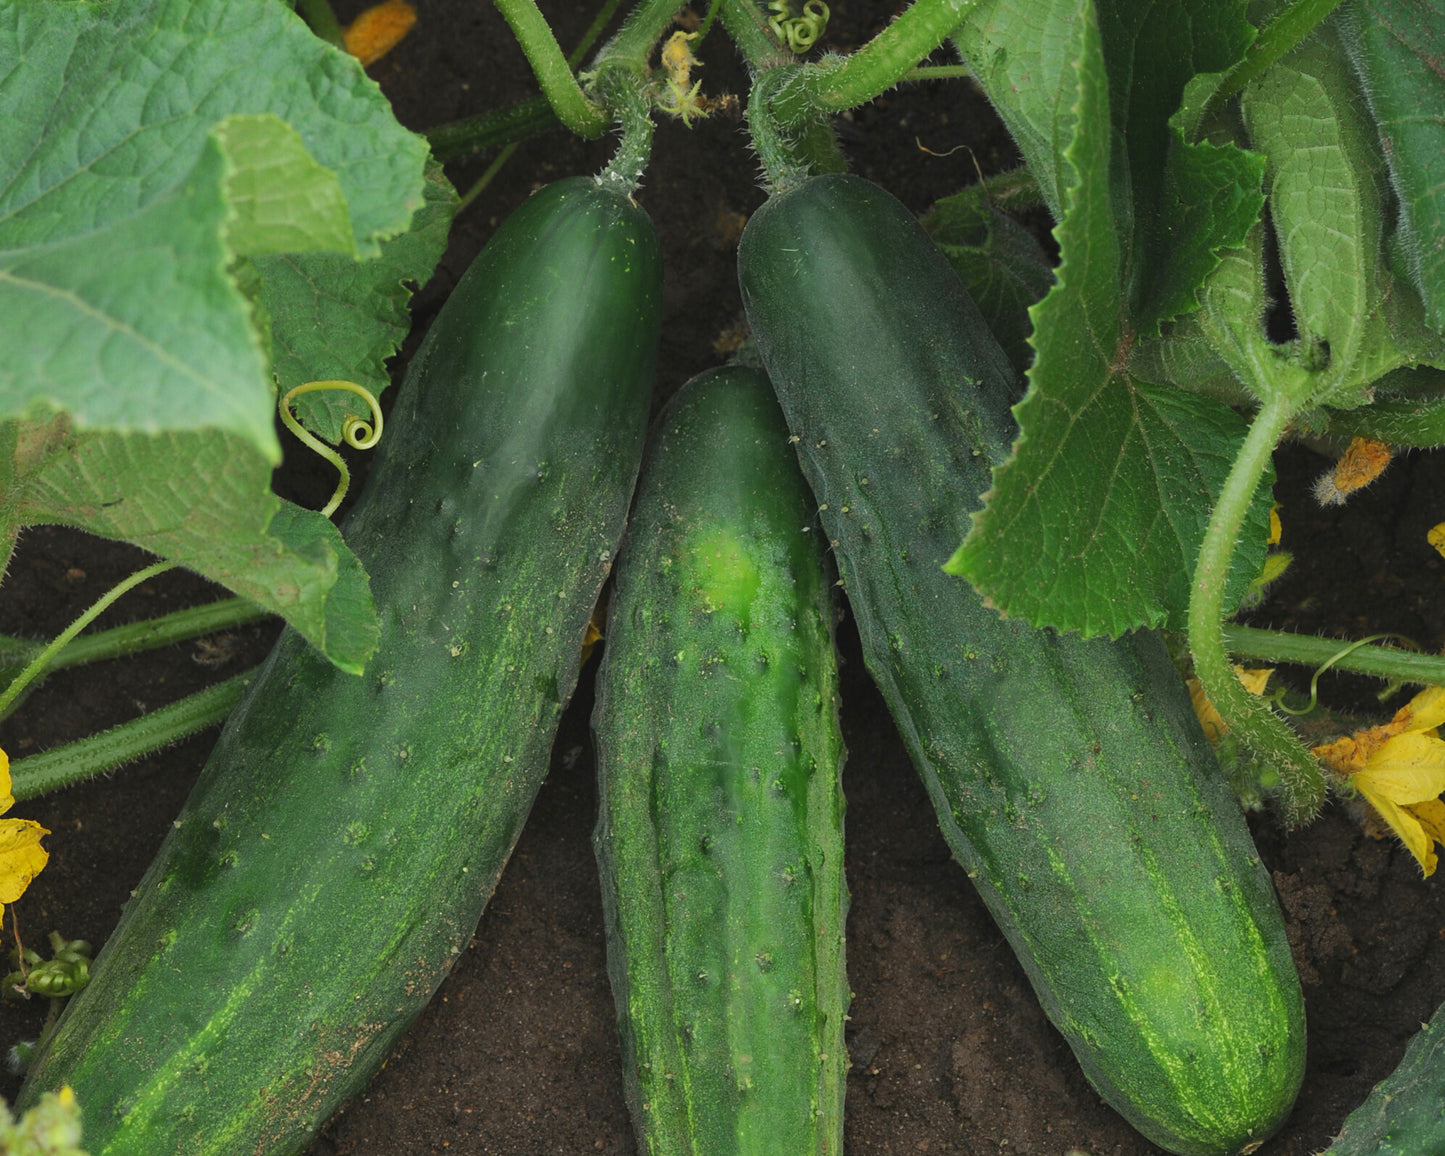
{"x": 517, "y": 1054}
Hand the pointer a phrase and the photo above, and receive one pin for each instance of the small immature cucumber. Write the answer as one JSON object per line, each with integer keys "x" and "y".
{"x": 720, "y": 833}
{"x": 335, "y": 856}
{"x": 1070, "y": 778}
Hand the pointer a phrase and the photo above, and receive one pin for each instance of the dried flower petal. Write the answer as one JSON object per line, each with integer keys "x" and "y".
{"x": 1363, "y": 461}
{"x": 378, "y": 30}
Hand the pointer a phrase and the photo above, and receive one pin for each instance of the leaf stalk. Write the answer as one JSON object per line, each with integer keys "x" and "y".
{"x": 1246, "y": 716}
{"x": 1386, "y": 662}
{"x": 550, "y": 66}
{"x": 85, "y": 758}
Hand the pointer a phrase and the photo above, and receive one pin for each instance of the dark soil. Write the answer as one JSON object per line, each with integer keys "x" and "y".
{"x": 518, "y": 1054}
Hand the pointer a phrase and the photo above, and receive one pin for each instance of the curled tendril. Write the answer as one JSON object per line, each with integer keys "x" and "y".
{"x": 799, "y": 33}
{"x": 357, "y": 432}
{"x": 1278, "y": 698}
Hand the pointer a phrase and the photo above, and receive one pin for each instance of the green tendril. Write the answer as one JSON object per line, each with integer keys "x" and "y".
{"x": 799, "y": 33}
{"x": 358, "y": 433}
{"x": 42, "y": 660}
{"x": 1278, "y": 698}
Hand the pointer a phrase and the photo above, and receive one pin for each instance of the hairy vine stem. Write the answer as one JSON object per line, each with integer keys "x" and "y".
{"x": 1255, "y": 724}
{"x": 835, "y": 84}
{"x": 623, "y": 90}
{"x": 85, "y": 758}
{"x": 1385, "y": 662}
{"x": 551, "y": 68}
{"x": 133, "y": 637}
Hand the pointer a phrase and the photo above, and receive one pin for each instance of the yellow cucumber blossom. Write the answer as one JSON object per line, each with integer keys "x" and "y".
{"x": 21, "y": 855}
{"x": 1400, "y": 770}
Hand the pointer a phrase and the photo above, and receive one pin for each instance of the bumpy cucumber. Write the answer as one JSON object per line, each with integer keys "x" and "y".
{"x": 720, "y": 835}
{"x": 335, "y": 855}
{"x": 1070, "y": 777}
{"x": 1405, "y": 1114}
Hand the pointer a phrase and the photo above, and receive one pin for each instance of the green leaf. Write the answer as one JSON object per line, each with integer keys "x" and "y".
{"x": 281, "y": 200}
{"x": 153, "y": 155}
{"x": 1095, "y": 522}
{"x": 1324, "y": 203}
{"x": 1142, "y": 465}
{"x": 1180, "y": 203}
{"x": 1408, "y": 411}
{"x": 1018, "y": 50}
{"x": 203, "y": 499}
{"x": 1398, "y": 46}
{"x": 338, "y": 319}
{"x": 1000, "y": 262}
{"x": 115, "y": 305}
{"x": 109, "y": 106}
{"x": 136, "y": 326}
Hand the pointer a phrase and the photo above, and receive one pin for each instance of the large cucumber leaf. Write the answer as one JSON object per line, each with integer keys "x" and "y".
{"x": 1398, "y": 46}
{"x": 1095, "y": 521}
{"x": 168, "y": 169}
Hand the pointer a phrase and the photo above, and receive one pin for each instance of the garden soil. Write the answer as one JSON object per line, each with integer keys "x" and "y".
{"x": 517, "y": 1055}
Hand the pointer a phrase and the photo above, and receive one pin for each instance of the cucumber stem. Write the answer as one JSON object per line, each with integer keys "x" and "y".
{"x": 643, "y": 27}
{"x": 136, "y": 637}
{"x": 748, "y": 29}
{"x": 1385, "y": 662}
{"x": 1246, "y": 716}
{"x": 502, "y": 126}
{"x": 41, "y": 661}
{"x": 937, "y": 72}
{"x": 623, "y": 90}
{"x": 553, "y": 72}
{"x": 83, "y": 759}
{"x": 781, "y": 167}
{"x": 836, "y": 84}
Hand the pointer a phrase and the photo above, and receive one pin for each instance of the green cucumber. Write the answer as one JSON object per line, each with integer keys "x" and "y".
{"x": 336, "y": 853}
{"x": 1070, "y": 777}
{"x": 1405, "y": 1114}
{"x": 720, "y": 829}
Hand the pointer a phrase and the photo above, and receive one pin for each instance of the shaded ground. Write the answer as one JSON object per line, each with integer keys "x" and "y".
{"x": 518, "y": 1053}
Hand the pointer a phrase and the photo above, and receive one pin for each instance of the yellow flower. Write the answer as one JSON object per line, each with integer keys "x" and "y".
{"x": 1400, "y": 770}
{"x": 21, "y": 855}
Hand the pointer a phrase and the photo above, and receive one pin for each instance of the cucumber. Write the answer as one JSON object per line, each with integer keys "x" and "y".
{"x": 720, "y": 829}
{"x": 1405, "y": 1114}
{"x": 1070, "y": 777}
{"x": 335, "y": 855}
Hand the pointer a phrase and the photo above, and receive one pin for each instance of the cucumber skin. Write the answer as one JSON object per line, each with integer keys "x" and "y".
{"x": 1405, "y": 1113}
{"x": 716, "y": 723}
{"x": 335, "y": 855}
{"x": 1070, "y": 777}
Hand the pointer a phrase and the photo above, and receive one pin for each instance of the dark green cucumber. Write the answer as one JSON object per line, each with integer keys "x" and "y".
{"x": 1070, "y": 777}
{"x": 336, "y": 853}
{"x": 1405, "y": 1114}
{"x": 720, "y": 832}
